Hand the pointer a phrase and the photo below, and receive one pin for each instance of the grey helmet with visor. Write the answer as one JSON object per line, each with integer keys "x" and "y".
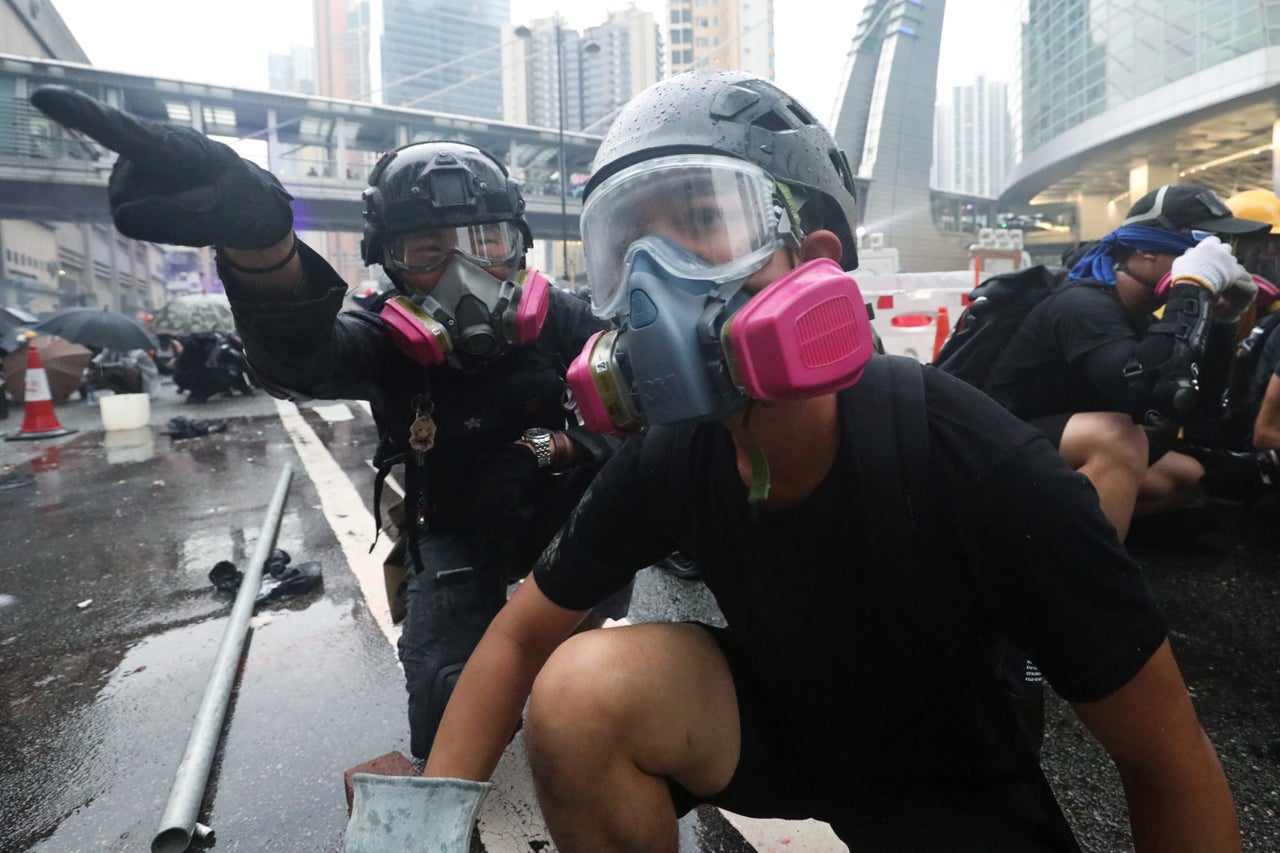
{"x": 451, "y": 188}
{"x": 739, "y": 115}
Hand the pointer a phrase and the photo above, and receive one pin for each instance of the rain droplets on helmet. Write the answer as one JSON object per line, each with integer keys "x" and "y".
{"x": 740, "y": 115}
{"x": 427, "y": 185}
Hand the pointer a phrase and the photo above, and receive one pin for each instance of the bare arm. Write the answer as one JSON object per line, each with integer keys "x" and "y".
{"x": 1266, "y": 427}
{"x": 1174, "y": 785}
{"x": 493, "y": 687}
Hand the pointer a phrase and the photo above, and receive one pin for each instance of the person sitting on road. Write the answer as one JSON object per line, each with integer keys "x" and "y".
{"x": 464, "y": 366}
{"x": 1090, "y": 369}
{"x": 1260, "y": 388}
{"x": 1239, "y": 447}
{"x": 802, "y": 472}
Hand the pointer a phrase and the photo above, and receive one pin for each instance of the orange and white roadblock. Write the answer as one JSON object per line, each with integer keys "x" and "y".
{"x": 914, "y": 311}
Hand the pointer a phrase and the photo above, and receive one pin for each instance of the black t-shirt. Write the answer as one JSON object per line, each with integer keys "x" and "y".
{"x": 1069, "y": 355}
{"x": 831, "y": 640}
{"x": 1268, "y": 360}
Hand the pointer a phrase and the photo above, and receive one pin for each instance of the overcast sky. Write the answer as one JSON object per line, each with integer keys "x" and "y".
{"x": 226, "y": 42}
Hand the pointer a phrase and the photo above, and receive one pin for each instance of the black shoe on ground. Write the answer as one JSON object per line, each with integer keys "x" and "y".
{"x": 679, "y": 565}
{"x": 1176, "y": 528}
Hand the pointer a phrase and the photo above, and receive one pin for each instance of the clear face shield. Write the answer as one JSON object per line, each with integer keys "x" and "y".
{"x": 1261, "y": 256}
{"x": 492, "y": 244}
{"x": 721, "y": 211}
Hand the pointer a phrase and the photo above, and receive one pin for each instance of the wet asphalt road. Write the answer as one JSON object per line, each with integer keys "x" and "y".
{"x": 97, "y": 700}
{"x": 109, "y": 627}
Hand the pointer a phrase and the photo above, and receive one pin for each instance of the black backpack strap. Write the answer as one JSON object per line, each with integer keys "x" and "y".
{"x": 383, "y": 468}
{"x": 885, "y": 417}
{"x": 665, "y": 483}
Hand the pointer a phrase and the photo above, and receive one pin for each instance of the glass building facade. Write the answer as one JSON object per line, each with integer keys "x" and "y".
{"x": 444, "y": 55}
{"x": 1080, "y": 58}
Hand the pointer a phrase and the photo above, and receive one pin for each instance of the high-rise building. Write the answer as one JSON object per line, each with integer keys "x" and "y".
{"x": 346, "y": 35}
{"x": 48, "y": 265}
{"x": 293, "y": 71}
{"x": 531, "y": 91}
{"x": 720, "y": 34}
{"x": 629, "y": 60}
{"x": 345, "y": 49}
{"x": 444, "y": 55}
{"x": 604, "y": 67}
{"x": 973, "y": 151}
{"x": 1114, "y": 98}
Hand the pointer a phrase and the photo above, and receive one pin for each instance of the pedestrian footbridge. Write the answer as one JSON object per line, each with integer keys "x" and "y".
{"x": 321, "y": 148}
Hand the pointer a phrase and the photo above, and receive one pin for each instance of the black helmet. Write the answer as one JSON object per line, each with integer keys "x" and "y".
{"x": 743, "y": 116}
{"x": 437, "y": 185}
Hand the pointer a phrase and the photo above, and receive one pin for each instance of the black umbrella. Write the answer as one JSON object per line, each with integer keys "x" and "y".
{"x": 14, "y": 321}
{"x": 97, "y": 327}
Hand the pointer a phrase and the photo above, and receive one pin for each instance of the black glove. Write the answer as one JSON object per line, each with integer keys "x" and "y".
{"x": 174, "y": 184}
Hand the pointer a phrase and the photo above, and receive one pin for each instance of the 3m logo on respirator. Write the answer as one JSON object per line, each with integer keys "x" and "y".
{"x": 660, "y": 390}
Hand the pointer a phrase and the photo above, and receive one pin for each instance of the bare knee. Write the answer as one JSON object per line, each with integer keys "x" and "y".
{"x": 577, "y": 702}
{"x": 1110, "y": 438}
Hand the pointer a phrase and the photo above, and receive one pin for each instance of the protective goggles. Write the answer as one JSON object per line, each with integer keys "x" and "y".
{"x": 493, "y": 244}
{"x": 724, "y": 211}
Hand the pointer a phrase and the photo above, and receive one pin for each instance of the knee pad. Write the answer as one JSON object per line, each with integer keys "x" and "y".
{"x": 428, "y": 696}
{"x": 447, "y": 614}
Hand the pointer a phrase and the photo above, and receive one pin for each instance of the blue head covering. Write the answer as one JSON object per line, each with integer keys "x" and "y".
{"x": 1097, "y": 264}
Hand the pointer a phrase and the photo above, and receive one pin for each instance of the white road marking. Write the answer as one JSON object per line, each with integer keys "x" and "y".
{"x": 346, "y": 511}
{"x": 334, "y": 413}
{"x": 510, "y": 818}
{"x": 786, "y": 836}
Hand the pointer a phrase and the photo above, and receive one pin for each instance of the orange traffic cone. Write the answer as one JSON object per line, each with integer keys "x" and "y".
{"x": 944, "y": 329}
{"x": 39, "y": 421}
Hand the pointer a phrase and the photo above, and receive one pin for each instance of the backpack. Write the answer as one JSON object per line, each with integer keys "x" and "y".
{"x": 889, "y": 419}
{"x": 1248, "y": 377}
{"x": 996, "y": 309}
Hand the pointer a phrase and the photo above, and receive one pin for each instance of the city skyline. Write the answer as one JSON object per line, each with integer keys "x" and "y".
{"x": 809, "y": 55}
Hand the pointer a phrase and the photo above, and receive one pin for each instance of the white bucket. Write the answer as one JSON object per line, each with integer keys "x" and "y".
{"x": 124, "y": 411}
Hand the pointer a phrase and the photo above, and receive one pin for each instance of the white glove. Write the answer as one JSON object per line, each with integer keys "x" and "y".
{"x": 1210, "y": 264}
{"x": 1229, "y": 305}
{"x": 400, "y": 814}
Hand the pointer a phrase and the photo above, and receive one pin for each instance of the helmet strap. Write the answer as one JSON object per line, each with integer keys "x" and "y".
{"x": 791, "y": 211}
{"x": 759, "y": 491}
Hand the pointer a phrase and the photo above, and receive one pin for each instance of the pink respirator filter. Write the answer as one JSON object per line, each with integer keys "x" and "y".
{"x": 412, "y": 330}
{"x": 806, "y": 334}
{"x": 534, "y": 297}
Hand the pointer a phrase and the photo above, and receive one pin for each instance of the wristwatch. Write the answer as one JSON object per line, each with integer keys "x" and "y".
{"x": 539, "y": 438}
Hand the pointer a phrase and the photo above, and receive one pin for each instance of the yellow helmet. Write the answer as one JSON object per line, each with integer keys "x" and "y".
{"x": 1261, "y": 205}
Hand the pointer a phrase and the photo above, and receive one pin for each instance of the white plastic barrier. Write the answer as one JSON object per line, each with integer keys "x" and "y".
{"x": 907, "y": 307}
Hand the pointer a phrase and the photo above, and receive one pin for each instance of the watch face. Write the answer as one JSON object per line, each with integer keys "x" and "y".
{"x": 540, "y": 438}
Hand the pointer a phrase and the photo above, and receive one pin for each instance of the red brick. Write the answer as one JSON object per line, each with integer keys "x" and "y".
{"x": 393, "y": 763}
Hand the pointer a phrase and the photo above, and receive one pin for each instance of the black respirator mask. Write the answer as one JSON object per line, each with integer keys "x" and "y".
{"x": 469, "y": 316}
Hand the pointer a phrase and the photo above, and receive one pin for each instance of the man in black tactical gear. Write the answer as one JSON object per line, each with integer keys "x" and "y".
{"x": 1109, "y": 385}
{"x": 463, "y": 365}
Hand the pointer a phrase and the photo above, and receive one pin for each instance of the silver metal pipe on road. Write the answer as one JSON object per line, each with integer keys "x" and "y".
{"x": 178, "y": 822}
